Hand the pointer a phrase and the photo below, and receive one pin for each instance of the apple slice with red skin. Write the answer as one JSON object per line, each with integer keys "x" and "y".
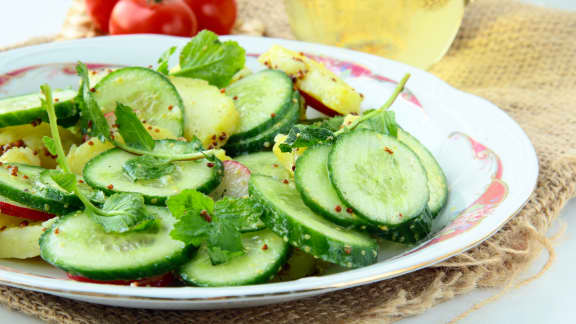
{"x": 318, "y": 105}
{"x": 163, "y": 280}
{"x": 234, "y": 182}
{"x": 16, "y": 210}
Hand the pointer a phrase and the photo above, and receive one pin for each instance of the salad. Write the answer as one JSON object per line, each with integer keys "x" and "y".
{"x": 205, "y": 173}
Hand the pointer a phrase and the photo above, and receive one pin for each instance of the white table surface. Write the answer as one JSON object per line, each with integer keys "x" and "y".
{"x": 551, "y": 299}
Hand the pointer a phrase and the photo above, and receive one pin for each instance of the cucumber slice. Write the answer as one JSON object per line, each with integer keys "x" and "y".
{"x": 79, "y": 246}
{"x": 436, "y": 177}
{"x": 149, "y": 93}
{"x": 264, "y": 163}
{"x": 257, "y": 98}
{"x": 265, "y": 140}
{"x": 26, "y": 109}
{"x": 299, "y": 265}
{"x": 22, "y": 183}
{"x": 265, "y": 254}
{"x": 313, "y": 183}
{"x": 379, "y": 177}
{"x": 288, "y": 216}
{"x": 411, "y": 231}
{"x": 105, "y": 172}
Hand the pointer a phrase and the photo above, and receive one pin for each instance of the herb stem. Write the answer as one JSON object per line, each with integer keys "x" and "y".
{"x": 385, "y": 106}
{"x": 179, "y": 157}
{"x": 49, "y": 106}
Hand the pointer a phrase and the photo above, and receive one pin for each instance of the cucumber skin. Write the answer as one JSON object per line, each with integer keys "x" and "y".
{"x": 167, "y": 265}
{"x": 111, "y": 75}
{"x": 412, "y": 231}
{"x": 155, "y": 200}
{"x": 257, "y": 143}
{"x": 262, "y": 278}
{"x": 320, "y": 246}
{"x": 312, "y": 204}
{"x": 66, "y": 111}
{"x": 63, "y": 205}
{"x": 280, "y": 113}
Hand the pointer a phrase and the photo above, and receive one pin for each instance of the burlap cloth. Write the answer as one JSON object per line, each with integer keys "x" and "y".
{"x": 522, "y": 58}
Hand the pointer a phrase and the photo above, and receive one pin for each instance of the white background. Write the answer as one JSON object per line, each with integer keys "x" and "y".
{"x": 551, "y": 299}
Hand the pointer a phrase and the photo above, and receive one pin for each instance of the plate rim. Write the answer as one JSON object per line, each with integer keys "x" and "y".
{"x": 50, "y": 285}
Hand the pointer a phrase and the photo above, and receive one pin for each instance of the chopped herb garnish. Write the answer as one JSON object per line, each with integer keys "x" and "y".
{"x": 131, "y": 129}
{"x": 92, "y": 119}
{"x": 148, "y": 167}
{"x": 306, "y": 136}
{"x": 164, "y": 60}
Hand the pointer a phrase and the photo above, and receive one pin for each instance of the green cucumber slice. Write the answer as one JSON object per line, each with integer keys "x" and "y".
{"x": 379, "y": 177}
{"x": 105, "y": 172}
{"x": 265, "y": 254}
{"x": 436, "y": 177}
{"x": 78, "y": 245}
{"x": 149, "y": 93}
{"x": 264, "y": 163}
{"x": 26, "y": 109}
{"x": 288, "y": 216}
{"x": 257, "y": 98}
{"x": 313, "y": 183}
{"x": 25, "y": 187}
{"x": 265, "y": 140}
{"x": 411, "y": 231}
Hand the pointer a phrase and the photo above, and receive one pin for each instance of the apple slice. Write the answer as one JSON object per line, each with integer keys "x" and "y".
{"x": 234, "y": 182}
{"x": 322, "y": 89}
{"x": 163, "y": 280}
{"x": 12, "y": 208}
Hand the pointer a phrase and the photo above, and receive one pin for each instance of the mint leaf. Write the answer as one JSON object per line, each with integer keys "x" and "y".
{"x": 217, "y": 225}
{"x": 206, "y": 58}
{"x": 332, "y": 123}
{"x": 164, "y": 60}
{"x": 244, "y": 213}
{"x": 92, "y": 119}
{"x": 306, "y": 136}
{"x": 382, "y": 122}
{"x": 194, "y": 212}
{"x": 131, "y": 128}
{"x": 224, "y": 242}
{"x": 122, "y": 212}
{"x": 148, "y": 167}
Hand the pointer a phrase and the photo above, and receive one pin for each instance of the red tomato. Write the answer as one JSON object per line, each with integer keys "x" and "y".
{"x": 170, "y": 17}
{"x": 215, "y": 15}
{"x": 100, "y": 11}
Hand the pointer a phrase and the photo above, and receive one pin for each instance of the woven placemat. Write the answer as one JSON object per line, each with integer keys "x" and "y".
{"x": 518, "y": 56}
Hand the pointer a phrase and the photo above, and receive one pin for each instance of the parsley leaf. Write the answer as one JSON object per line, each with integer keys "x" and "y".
{"x": 206, "y": 58}
{"x": 164, "y": 60}
{"x": 382, "y": 121}
{"x": 306, "y": 136}
{"x": 147, "y": 167}
{"x": 92, "y": 119}
{"x": 122, "y": 212}
{"x": 217, "y": 225}
{"x": 131, "y": 128}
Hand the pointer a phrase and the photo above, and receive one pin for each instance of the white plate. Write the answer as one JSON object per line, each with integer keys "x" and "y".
{"x": 489, "y": 161}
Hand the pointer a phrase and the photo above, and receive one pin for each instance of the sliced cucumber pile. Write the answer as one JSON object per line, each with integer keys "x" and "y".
{"x": 264, "y": 163}
{"x": 78, "y": 245}
{"x": 265, "y": 140}
{"x": 288, "y": 216}
{"x": 265, "y": 253}
{"x": 24, "y": 184}
{"x": 262, "y": 99}
{"x": 436, "y": 177}
{"x": 149, "y": 93}
{"x": 27, "y": 109}
{"x": 379, "y": 177}
{"x": 105, "y": 172}
{"x": 313, "y": 182}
